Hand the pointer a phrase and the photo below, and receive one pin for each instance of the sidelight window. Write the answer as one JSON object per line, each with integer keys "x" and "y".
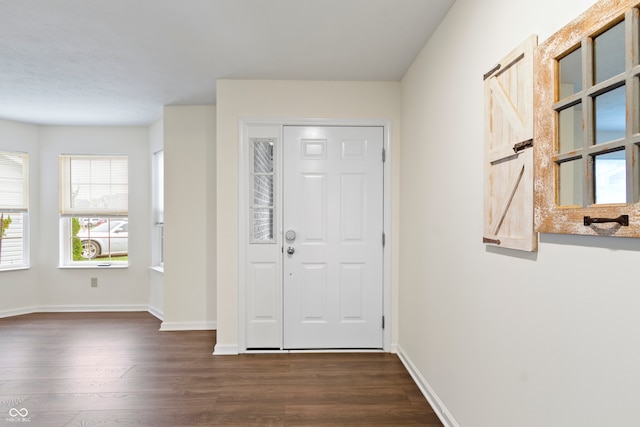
{"x": 262, "y": 171}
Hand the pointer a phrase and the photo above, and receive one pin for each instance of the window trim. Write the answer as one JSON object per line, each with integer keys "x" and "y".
{"x": 549, "y": 216}
{"x": 157, "y": 180}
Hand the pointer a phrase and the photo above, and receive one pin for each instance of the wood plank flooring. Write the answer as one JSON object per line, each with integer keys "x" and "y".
{"x": 86, "y": 369}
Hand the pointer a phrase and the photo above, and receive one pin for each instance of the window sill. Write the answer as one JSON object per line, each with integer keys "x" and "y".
{"x": 92, "y": 266}
{"x": 15, "y": 268}
{"x": 158, "y": 268}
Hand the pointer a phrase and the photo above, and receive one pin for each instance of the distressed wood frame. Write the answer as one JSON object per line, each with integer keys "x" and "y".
{"x": 588, "y": 219}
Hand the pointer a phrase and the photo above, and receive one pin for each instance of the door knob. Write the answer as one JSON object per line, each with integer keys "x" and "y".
{"x": 290, "y": 250}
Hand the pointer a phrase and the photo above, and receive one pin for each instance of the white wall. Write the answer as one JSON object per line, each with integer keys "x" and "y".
{"x": 18, "y": 289}
{"x": 69, "y": 289}
{"x": 189, "y": 273}
{"x": 281, "y": 99}
{"x": 503, "y": 338}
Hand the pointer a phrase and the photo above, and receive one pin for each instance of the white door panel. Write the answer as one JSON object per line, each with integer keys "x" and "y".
{"x": 333, "y": 201}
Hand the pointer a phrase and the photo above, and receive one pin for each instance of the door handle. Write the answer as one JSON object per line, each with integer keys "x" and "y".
{"x": 291, "y": 250}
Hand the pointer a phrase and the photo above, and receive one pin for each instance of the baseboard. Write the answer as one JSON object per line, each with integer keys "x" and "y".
{"x": 164, "y": 326}
{"x": 18, "y": 312}
{"x": 157, "y": 313}
{"x": 441, "y": 410}
{"x": 90, "y": 308}
{"x": 225, "y": 350}
{"x": 188, "y": 326}
{"x": 77, "y": 309}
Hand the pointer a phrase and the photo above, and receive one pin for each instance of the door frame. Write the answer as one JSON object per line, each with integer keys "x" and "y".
{"x": 245, "y": 124}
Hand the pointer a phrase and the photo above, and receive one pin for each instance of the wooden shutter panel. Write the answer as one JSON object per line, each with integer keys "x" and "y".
{"x": 508, "y": 188}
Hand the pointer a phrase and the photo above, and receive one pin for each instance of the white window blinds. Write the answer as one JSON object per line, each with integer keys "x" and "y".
{"x": 94, "y": 186}
{"x": 14, "y": 182}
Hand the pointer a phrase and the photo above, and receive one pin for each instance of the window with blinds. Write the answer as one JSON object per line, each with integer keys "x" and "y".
{"x": 14, "y": 210}
{"x": 94, "y": 201}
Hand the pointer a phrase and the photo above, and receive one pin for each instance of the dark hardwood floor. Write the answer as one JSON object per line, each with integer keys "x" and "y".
{"x": 86, "y": 369}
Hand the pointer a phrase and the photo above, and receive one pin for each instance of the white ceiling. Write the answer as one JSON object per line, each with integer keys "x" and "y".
{"x": 118, "y": 62}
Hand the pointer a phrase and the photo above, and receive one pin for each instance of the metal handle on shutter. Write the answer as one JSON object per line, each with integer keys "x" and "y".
{"x": 522, "y": 145}
{"x": 488, "y": 240}
{"x": 622, "y": 220}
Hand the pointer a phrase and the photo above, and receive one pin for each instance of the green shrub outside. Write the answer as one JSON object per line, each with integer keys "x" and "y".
{"x": 75, "y": 241}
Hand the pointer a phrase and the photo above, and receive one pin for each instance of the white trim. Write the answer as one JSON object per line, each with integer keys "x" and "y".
{"x": 80, "y": 309}
{"x": 23, "y": 267}
{"x": 156, "y": 312}
{"x": 225, "y": 350}
{"x": 242, "y": 233}
{"x": 387, "y": 286}
{"x": 316, "y": 351}
{"x": 438, "y": 406}
{"x": 90, "y": 308}
{"x": 189, "y": 326}
{"x": 243, "y": 124}
{"x": 18, "y": 312}
{"x": 96, "y": 265}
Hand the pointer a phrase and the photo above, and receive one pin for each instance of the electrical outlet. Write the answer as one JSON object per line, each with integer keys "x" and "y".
{"x": 94, "y": 282}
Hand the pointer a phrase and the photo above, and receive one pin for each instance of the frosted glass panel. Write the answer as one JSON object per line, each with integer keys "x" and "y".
{"x": 262, "y": 156}
{"x": 262, "y": 191}
{"x": 262, "y": 225}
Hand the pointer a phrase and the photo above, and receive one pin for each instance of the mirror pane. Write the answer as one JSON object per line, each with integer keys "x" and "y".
{"x": 570, "y": 183}
{"x": 570, "y": 68}
{"x": 570, "y": 129}
{"x": 610, "y": 115}
{"x": 610, "y": 177}
{"x": 608, "y": 53}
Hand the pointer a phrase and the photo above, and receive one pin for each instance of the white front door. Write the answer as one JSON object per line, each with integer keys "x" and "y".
{"x": 333, "y": 237}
